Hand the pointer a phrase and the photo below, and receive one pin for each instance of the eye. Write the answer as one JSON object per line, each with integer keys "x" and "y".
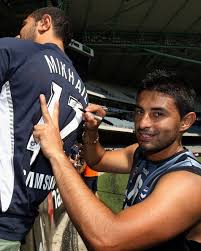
{"x": 138, "y": 111}
{"x": 158, "y": 114}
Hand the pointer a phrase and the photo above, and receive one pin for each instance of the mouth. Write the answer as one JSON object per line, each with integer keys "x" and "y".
{"x": 145, "y": 137}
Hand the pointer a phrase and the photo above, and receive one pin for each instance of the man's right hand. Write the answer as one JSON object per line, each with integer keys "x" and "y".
{"x": 92, "y": 123}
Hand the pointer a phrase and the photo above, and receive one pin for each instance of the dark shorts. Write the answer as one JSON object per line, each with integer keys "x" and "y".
{"x": 91, "y": 182}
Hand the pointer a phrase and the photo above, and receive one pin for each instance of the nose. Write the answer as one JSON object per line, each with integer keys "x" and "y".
{"x": 144, "y": 121}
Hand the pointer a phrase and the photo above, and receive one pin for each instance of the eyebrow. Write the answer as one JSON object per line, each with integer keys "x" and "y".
{"x": 153, "y": 108}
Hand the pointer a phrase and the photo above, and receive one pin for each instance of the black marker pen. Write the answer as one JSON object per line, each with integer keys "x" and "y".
{"x": 99, "y": 117}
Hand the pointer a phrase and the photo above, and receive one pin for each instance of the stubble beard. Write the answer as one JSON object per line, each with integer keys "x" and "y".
{"x": 30, "y": 34}
{"x": 157, "y": 147}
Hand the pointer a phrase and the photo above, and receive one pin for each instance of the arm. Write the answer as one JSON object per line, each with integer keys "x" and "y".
{"x": 141, "y": 226}
{"x": 119, "y": 161}
{"x": 173, "y": 206}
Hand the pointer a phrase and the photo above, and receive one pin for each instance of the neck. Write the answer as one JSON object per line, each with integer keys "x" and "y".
{"x": 165, "y": 153}
{"x": 60, "y": 45}
{"x": 52, "y": 40}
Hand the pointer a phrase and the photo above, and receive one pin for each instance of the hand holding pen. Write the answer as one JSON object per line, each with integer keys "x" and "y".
{"x": 91, "y": 109}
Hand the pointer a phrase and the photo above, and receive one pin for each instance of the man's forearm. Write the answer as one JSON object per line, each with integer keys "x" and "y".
{"x": 93, "y": 151}
{"x": 89, "y": 215}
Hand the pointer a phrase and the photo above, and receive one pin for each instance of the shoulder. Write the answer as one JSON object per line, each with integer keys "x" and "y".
{"x": 177, "y": 196}
{"x": 10, "y": 42}
{"x": 173, "y": 207}
{"x": 17, "y": 48}
{"x": 186, "y": 161}
{"x": 182, "y": 187}
{"x": 181, "y": 178}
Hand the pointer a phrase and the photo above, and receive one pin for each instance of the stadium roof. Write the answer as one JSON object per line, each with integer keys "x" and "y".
{"x": 129, "y": 37}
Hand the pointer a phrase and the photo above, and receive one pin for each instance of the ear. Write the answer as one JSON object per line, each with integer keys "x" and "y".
{"x": 187, "y": 121}
{"x": 45, "y": 23}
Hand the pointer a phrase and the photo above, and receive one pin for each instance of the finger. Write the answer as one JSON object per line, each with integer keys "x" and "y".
{"x": 44, "y": 109}
{"x": 92, "y": 107}
{"x": 91, "y": 121}
{"x": 37, "y": 140}
{"x": 39, "y": 127}
{"x": 96, "y": 109}
{"x": 55, "y": 116}
{"x": 89, "y": 117}
{"x": 36, "y": 136}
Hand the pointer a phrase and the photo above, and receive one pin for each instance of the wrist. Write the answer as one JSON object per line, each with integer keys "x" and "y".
{"x": 57, "y": 157}
{"x": 90, "y": 137}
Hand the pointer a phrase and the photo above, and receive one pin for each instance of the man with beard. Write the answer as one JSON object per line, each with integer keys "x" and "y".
{"x": 162, "y": 208}
{"x": 34, "y": 64}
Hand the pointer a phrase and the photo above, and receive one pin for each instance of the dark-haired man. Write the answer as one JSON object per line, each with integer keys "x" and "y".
{"x": 162, "y": 208}
{"x": 34, "y": 64}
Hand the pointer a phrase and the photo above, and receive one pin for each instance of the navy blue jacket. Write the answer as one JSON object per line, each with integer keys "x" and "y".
{"x": 28, "y": 69}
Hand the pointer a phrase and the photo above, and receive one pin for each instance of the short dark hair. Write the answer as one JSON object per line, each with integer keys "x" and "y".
{"x": 173, "y": 85}
{"x": 61, "y": 23}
